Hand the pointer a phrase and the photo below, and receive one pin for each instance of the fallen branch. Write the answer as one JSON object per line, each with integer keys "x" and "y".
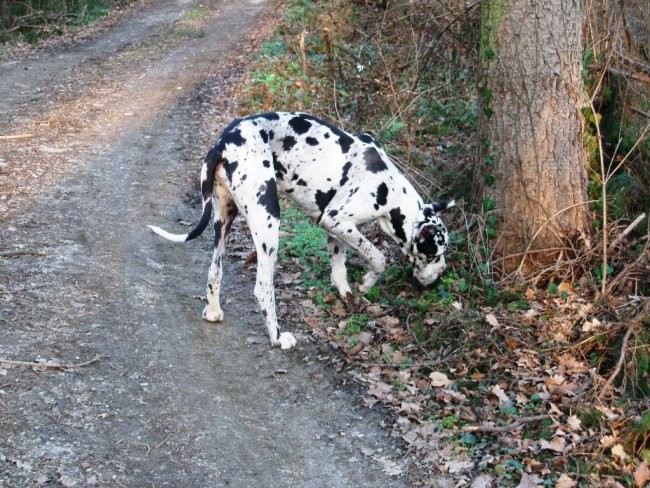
{"x": 61, "y": 367}
{"x": 505, "y": 428}
{"x": 21, "y": 252}
{"x": 619, "y": 364}
{"x": 627, "y": 230}
{"x": 16, "y": 136}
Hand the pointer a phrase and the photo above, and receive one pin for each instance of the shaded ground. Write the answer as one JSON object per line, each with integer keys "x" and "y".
{"x": 109, "y": 137}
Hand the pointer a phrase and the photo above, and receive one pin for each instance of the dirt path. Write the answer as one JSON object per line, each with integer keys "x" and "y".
{"x": 112, "y": 133}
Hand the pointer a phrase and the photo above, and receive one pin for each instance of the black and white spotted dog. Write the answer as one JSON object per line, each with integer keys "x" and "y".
{"x": 340, "y": 179}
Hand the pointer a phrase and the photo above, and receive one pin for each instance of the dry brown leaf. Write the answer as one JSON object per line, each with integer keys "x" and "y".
{"x": 500, "y": 394}
{"x": 529, "y": 481}
{"x": 557, "y": 444}
{"x": 619, "y": 451}
{"x": 491, "y": 319}
{"x": 564, "y": 481}
{"x": 641, "y": 475}
{"x": 565, "y": 287}
{"x": 439, "y": 380}
{"x": 574, "y": 422}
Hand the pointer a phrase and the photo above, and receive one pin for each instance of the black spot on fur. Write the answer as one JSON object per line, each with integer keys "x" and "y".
{"x": 323, "y": 199}
{"x": 217, "y": 232}
{"x": 345, "y": 139}
{"x": 300, "y": 125}
{"x": 397, "y": 221}
{"x": 268, "y": 198}
{"x": 333, "y": 213}
{"x": 271, "y": 135}
{"x": 344, "y": 176}
{"x": 230, "y": 168}
{"x": 367, "y": 138}
{"x": 266, "y": 163}
{"x": 312, "y": 141}
{"x": 301, "y": 182}
{"x": 265, "y": 136}
{"x": 279, "y": 168}
{"x": 382, "y": 194}
{"x": 266, "y": 115}
{"x": 233, "y": 137}
{"x": 430, "y": 239}
{"x": 374, "y": 162}
{"x": 288, "y": 142}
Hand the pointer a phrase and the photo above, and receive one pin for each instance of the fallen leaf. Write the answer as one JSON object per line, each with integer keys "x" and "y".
{"x": 439, "y": 379}
{"x": 500, "y": 394}
{"x": 574, "y": 422}
{"x": 529, "y": 481}
{"x": 557, "y": 444}
{"x": 454, "y": 467}
{"x": 565, "y": 287}
{"x": 483, "y": 481}
{"x": 391, "y": 468}
{"x": 619, "y": 452}
{"x": 409, "y": 408}
{"x": 564, "y": 481}
{"x": 491, "y": 319}
{"x": 642, "y": 475}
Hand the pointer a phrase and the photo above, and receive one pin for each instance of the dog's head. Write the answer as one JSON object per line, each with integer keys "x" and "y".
{"x": 429, "y": 243}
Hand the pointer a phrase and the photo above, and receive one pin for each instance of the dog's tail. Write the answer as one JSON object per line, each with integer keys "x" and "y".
{"x": 208, "y": 170}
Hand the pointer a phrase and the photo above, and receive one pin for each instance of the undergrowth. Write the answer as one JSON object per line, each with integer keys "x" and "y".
{"x": 514, "y": 379}
{"x": 32, "y": 20}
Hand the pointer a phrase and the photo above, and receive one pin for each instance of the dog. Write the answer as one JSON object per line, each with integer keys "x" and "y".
{"x": 340, "y": 179}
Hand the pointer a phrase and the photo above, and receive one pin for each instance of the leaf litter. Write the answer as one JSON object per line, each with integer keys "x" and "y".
{"x": 487, "y": 396}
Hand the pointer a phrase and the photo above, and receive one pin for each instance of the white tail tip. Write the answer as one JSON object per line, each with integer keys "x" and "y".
{"x": 167, "y": 235}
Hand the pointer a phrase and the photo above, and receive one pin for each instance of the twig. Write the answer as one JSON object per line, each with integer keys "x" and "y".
{"x": 159, "y": 445}
{"x": 506, "y": 428}
{"x": 641, "y": 112}
{"x": 619, "y": 364}
{"x": 16, "y": 136}
{"x": 62, "y": 367}
{"x": 21, "y": 252}
{"x": 627, "y": 230}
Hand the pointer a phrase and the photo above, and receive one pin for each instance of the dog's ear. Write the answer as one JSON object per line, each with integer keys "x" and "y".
{"x": 441, "y": 206}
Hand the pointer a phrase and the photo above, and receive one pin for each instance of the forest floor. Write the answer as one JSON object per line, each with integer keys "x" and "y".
{"x": 108, "y": 375}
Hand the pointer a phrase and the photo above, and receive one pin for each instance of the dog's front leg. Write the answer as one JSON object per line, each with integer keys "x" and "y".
{"x": 348, "y": 233}
{"x": 339, "y": 275}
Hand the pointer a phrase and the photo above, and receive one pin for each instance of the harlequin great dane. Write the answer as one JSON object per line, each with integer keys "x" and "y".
{"x": 342, "y": 180}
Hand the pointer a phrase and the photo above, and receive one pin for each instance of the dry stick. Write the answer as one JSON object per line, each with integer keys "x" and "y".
{"x": 619, "y": 364}
{"x": 21, "y": 252}
{"x": 48, "y": 365}
{"x": 15, "y": 137}
{"x": 506, "y": 428}
{"x": 627, "y": 230}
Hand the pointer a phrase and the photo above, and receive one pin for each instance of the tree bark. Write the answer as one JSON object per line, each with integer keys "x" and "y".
{"x": 532, "y": 154}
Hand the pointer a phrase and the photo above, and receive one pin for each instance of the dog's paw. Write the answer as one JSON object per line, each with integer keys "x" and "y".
{"x": 211, "y": 315}
{"x": 285, "y": 341}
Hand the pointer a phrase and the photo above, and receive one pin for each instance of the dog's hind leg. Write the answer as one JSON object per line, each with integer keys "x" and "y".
{"x": 339, "y": 275}
{"x": 225, "y": 212}
{"x": 264, "y": 222}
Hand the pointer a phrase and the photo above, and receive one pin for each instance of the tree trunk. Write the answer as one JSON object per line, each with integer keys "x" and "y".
{"x": 532, "y": 155}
